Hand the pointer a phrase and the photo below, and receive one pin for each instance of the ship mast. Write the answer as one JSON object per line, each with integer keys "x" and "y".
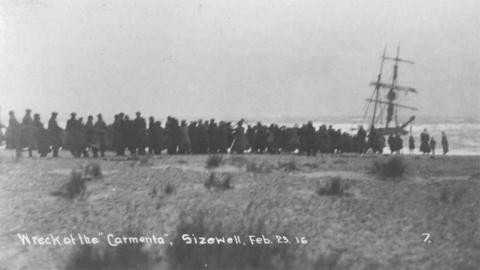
{"x": 377, "y": 88}
{"x": 391, "y": 96}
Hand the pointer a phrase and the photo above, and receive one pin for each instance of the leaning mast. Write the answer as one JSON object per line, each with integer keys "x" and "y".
{"x": 391, "y": 96}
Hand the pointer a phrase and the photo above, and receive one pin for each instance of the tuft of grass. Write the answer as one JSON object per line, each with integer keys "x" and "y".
{"x": 93, "y": 171}
{"x": 224, "y": 256}
{"x": 453, "y": 194}
{"x": 254, "y": 167}
{"x": 168, "y": 188}
{"x": 288, "y": 166}
{"x": 123, "y": 256}
{"x": 146, "y": 160}
{"x": 331, "y": 260}
{"x": 214, "y": 161}
{"x": 74, "y": 186}
{"x": 334, "y": 187}
{"x": 311, "y": 165}
{"x": 182, "y": 161}
{"x": 219, "y": 183}
{"x": 394, "y": 167}
{"x": 339, "y": 161}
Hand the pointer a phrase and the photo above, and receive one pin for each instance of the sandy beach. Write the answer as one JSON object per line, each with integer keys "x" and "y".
{"x": 426, "y": 218}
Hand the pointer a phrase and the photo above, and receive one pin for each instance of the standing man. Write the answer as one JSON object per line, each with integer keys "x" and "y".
{"x": 444, "y": 143}
{"x": 41, "y": 136}
{"x": 433, "y": 143}
{"x": 424, "y": 142}
{"x": 28, "y": 138}
{"x": 411, "y": 144}
{"x": 15, "y": 133}
{"x": 101, "y": 130}
{"x": 73, "y": 133}
{"x": 361, "y": 135}
{"x": 140, "y": 133}
{"x": 55, "y": 133}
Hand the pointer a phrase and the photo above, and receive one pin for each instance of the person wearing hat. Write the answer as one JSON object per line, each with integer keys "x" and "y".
{"x": 118, "y": 135}
{"x": 41, "y": 136}
{"x": 14, "y": 134}
{"x": 140, "y": 133}
{"x": 73, "y": 135}
{"x": 101, "y": 131}
{"x": 28, "y": 136}
{"x": 55, "y": 134}
{"x": 239, "y": 139}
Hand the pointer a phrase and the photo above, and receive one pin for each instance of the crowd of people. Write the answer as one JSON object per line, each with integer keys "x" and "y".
{"x": 95, "y": 137}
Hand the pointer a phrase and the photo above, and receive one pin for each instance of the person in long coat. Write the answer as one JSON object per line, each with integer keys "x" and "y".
{"x": 119, "y": 140}
{"x": 15, "y": 134}
{"x": 41, "y": 136}
{"x": 82, "y": 139}
{"x": 162, "y": 137}
{"x": 152, "y": 141}
{"x": 101, "y": 131}
{"x": 411, "y": 144}
{"x": 28, "y": 136}
{"x": 203, "y": 139}
{"x": 222, "y": 137}
{"x": 240, "y": 141}
{"x": 130, "y": 135}
{"x": 172, "y": 130}
{"x": 73, "y": 135}
{"x": 360, "y": 141}
{"x": 184, "y": 144}
{"x": 444, "y": 143}
{"x": 424, "y": 142}
{"x": 141, "y": 138}
{"x": 55, "y": 133}
{"x": 92, "y": 139}
{"x": 433, "y": 144}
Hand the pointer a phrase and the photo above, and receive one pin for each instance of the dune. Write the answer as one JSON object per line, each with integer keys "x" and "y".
{"x": 426, "y": 217}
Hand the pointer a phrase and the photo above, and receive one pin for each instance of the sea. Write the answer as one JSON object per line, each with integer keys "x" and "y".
{"x": 463, "y": 133}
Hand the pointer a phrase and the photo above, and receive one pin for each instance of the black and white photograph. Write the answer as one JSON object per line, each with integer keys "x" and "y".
{"x": 243, "y": 135}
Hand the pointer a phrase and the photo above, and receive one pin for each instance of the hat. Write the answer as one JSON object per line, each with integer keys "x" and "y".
{"x": 28, "y": 110}
{"x": 54, "y": 113}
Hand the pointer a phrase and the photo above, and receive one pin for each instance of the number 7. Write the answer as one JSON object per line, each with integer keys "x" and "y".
{"x": 427, "y": 237}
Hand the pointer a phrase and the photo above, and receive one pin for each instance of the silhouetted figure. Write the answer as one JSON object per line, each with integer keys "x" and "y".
{"x": 411, "y": 144}
{"x": 184, "y": 146}
{"x": 433, "y": 144}
{"x": 424, "y": 142}
{"x": 118, "y": 140}
{"x": 374, "y": 140}
{"x": 240, "y": 140}
{"x": 361, "y": 135}
{"x": 55, "y": 133}
{"x": 92, "y": 140}
{"x": 140, "y": 129}
{"x": 41, "y": 136}
{"x": 130, "y": 135}
{"x": 73, "y": 142}
{"x": 444, "y": 143}
{"x": 82, "y": 139}
{"x": 152, "y": 136}
{"x": 28, "y": 136}
{"x": 172, "y": 131}
{"x": 101, "y": 131}
{"x": 15, "y": 130}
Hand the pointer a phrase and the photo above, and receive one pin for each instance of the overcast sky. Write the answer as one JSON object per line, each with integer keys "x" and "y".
{"x": 231, "y": 58}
